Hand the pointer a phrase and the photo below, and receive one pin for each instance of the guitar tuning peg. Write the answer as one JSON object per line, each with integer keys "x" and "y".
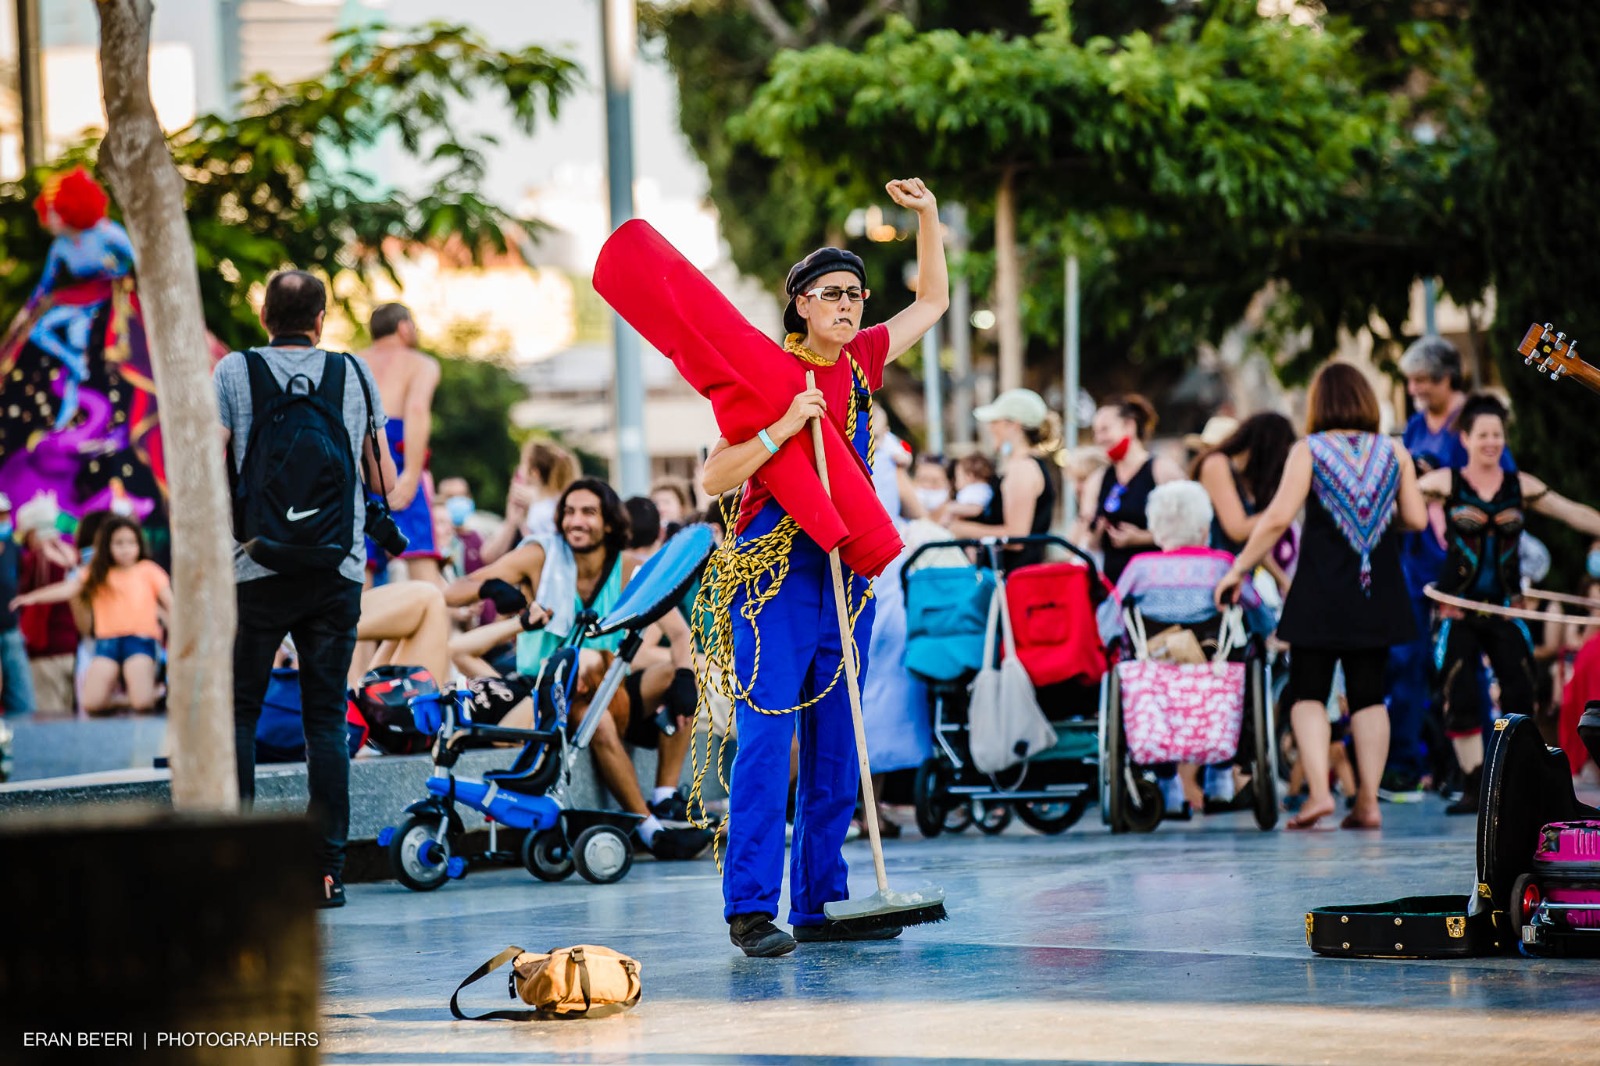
{"x": 1555, "y": 373}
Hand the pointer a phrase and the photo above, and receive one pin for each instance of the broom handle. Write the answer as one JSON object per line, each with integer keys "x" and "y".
{"x": 847, "y": 647}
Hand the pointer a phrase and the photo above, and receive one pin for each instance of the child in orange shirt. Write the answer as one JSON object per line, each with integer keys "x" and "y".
{"x": 129, "y": 596}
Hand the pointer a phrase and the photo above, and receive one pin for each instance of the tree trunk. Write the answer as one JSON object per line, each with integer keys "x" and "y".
{"x": 1007, "y": 282}
{"x": 135, "y": 159}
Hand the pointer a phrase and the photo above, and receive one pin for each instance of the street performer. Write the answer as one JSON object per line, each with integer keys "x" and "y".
{"x": 768, "y": 595}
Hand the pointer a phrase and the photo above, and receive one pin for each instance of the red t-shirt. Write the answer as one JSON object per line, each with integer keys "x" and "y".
{"x": 871, "y": 349}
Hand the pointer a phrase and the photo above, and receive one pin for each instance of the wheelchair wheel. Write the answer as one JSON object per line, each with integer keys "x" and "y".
{"x": 603, "y": 854}
{"x": 928, "y": 793}
{"x": 1263, "y": 772}
{"x": 1151, "y": 806}
{"x": 1113, "y": 754}
{"x": 418, "y": 860}
{"x": 547, "y": 856}
{"x": 1050, "y": 817}
{"x": 992, "y": 818}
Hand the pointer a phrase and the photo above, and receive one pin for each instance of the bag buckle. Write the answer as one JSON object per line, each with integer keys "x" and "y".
{"x": 1456, "y": 925}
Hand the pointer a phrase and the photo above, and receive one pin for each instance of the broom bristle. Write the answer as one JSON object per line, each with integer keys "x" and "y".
{"x": 867, "y": 923}
{"x": 888, "y": 910}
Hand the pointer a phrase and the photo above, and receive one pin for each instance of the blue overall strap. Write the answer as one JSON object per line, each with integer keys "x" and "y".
{"x": 863, "y": 427}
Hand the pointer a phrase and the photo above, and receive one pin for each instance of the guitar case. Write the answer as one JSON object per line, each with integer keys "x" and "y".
{"x": 1526, "y": 786}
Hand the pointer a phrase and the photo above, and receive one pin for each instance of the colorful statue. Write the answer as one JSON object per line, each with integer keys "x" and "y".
{"x": 80, "y": 417}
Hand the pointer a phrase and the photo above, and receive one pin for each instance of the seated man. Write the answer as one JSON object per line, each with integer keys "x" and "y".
{"x": 544, "y": 586}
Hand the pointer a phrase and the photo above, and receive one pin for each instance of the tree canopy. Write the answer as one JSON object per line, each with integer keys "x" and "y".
{"x": 273, "y": 185}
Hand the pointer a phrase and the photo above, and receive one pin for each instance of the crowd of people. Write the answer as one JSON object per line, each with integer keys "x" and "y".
{"x": 1329, "y": 539}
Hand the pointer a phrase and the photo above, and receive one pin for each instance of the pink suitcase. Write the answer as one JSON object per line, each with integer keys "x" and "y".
{"x": 1559, "y": 899}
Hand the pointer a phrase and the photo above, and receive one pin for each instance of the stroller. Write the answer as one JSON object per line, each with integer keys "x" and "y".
{"x": 1155, "y": 713}
{"x": 1050, "y": 606}
{"x": 427, "y": 848}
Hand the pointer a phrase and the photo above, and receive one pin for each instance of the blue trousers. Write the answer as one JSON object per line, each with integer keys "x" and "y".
{"x": 799, "y": 653}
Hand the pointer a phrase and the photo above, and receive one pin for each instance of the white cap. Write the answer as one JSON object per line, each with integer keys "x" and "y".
{"x": 1023, "y": 406}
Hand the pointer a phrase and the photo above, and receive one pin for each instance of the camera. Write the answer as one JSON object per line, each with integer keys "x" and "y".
{"x": 382, "y": 529}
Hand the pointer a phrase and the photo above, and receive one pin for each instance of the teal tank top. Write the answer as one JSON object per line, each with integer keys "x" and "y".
{"x": 533, "y": 648}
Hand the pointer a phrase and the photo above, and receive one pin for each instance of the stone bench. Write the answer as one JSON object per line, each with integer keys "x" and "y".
{"x": 380, "y": 787}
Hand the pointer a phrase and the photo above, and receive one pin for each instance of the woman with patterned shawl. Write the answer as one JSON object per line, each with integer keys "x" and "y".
{"x": 84, "y": 426}
{"x": 1347, "y": 604}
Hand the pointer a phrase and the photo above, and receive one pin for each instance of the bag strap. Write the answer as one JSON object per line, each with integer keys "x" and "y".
{"x": 990, "y": 627}
{"x": 497, "y": 1015}
{"x": 1133, "y": 622}
{"x": 372, "y": 430}
{"x": 1005, "y": 619}
{"x": 1231, "y": 636}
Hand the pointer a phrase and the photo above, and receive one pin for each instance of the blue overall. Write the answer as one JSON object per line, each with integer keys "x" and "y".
{"x": 800, "y": 652}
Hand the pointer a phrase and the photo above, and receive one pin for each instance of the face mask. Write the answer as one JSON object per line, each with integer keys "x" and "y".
{"x": 1005, "y": 451}
{"x": 1594, "y": 565}
{"x": 1119, "y": 450}
{"x": 6, "y": 529}
{"x": 460, "y": 509}
{"x": 933, "y": 499}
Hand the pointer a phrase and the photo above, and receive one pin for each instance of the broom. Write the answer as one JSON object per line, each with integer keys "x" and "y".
{"x": 884, "y": 909}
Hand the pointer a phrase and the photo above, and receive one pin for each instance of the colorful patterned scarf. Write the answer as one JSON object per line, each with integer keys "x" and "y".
{"x": 1356, "y": 477}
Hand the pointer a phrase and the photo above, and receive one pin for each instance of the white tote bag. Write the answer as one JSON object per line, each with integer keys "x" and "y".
{"x": 1005, "y": 725}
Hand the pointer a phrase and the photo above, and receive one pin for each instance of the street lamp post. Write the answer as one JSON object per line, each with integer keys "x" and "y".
{"x": 619, "y": 36}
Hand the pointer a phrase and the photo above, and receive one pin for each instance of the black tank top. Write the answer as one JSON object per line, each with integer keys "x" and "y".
{"x": 1483, "y": 560}
{"x": 1125, "y": 504}
{"x": 1044, "y": 509}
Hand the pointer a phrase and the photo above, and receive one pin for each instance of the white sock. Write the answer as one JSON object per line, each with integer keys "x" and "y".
{"x": 648, "y": 829}
{"x": 664, "y": 792}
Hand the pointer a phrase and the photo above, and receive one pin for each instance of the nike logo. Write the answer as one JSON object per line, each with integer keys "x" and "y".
{"x": 294, "y": 516}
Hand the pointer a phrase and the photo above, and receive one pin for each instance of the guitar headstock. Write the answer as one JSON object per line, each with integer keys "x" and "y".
{"x": 1555, "y": 353}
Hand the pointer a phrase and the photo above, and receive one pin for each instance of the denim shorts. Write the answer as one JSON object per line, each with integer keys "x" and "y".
{"x": 120, "y": 649}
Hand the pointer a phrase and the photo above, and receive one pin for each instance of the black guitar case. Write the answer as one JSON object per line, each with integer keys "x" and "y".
{"x": 1526, "y": 785}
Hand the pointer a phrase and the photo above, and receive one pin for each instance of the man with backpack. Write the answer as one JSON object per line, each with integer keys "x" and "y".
{"x": 301, "y": 425}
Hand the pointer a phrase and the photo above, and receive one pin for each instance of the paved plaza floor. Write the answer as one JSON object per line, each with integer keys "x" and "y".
{"x": 1184, "y": 946}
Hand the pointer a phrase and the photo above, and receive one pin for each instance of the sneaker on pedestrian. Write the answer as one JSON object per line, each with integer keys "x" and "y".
{"x": 757, "y": 937}
{"x": 672, "y": 845}
{"x": 332, "y": 892}
{"x": 830, "y": 931}
{"x": 672, "y": 810}
{"x": 1396, "y": 787}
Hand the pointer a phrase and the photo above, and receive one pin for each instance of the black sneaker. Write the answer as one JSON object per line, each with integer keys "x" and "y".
{"x": 672, "y": 811}
{"x": 674, "y": 844}
{"x": 831, "y": 931}
{"x": 1396, "y": 787}
{"x": 757, "y": 937}
{"x": 332, "y": 892}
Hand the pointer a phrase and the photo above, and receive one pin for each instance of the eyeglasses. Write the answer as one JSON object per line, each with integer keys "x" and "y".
{"x": 833, "y": 294}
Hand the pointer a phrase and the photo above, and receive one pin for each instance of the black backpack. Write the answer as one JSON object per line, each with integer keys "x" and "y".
{"x": 294, "y": 493}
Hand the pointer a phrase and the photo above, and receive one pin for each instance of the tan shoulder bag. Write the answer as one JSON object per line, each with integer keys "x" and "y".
{"x": 578, "y": 982}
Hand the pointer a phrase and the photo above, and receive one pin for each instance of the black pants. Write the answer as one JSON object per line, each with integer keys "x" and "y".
{"x": 1458, "y": 648}
{"x": 320, "y": 613}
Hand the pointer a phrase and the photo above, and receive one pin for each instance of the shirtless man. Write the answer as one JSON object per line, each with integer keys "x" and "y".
{"x": 406, "y": 379}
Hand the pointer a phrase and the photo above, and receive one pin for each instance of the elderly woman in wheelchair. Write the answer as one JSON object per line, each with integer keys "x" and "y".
{"x": 1163, "y": 612}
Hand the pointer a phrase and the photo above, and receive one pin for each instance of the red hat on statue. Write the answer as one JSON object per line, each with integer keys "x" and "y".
{"x": 77, "y": 199}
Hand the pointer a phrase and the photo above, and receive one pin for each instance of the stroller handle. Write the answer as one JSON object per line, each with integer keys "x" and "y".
{"x": 993, "y": 545}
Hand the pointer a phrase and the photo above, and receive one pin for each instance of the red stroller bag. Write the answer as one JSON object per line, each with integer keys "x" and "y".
{"x": 1052, "y": 616}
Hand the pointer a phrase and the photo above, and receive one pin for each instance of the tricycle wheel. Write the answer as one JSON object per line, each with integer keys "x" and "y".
{"x": 547, "y": 856}
{"x": 419, "y": 854}
{"x": 602, "y": 854}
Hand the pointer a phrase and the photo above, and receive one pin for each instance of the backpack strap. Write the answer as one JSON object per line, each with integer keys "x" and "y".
{"x": 331, "y": 388}
{"x": 263, "y": 386}
{"x": 372, "y": 428}
{"x": 479, "y": 974}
